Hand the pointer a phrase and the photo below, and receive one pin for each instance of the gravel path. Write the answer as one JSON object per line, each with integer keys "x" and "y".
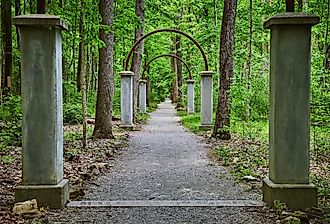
{"x": 165, "y": 162}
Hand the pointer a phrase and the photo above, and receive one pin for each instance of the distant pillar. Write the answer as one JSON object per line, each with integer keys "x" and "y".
{"x": 126, "y": 101}
{"x": 289, "y": 123}
{"x": 206, "y": 99}
{"x": 143, "y": 96}
{"x": 42, "y": 132}
{"x": 190, "y": 96}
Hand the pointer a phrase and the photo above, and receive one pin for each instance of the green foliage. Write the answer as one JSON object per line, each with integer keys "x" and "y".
{"x": 223, "y": 154}
{"x": 191, "y": 122}
{"x": 142, "y": 117}
{"x": 72, "y": 106}
{"x": 7, "y": 159}
{"x": 10, "y": 121}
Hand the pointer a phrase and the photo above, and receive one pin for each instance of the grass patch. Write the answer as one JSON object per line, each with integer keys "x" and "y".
{"x": 142, "y": 118}
{"x": 190, "y": 121}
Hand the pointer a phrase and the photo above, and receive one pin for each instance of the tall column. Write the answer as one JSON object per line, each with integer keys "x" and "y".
{"x": 126, "y": 99}
{"x": 289, "y": 123}
{"x": 190, "y": 96}
{"x": 206, "y": 99}
{"x": 42, "y": 132}
{"x": 143, "y": 96}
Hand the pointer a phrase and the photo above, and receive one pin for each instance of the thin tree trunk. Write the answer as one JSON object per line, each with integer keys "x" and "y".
{"x": 222, "y": 121}
{"x": 289, "y": 5}
{"x": 175, "y": 91}
{"x": 179, "y": 63}
{"x": 41, "y": 6}
{"x": 31, "y": 6}
{"x": 300, "y": 5}
{"x": 103, "y": 120}
{"x": 81, "y": 50}
{"x": 82, "y": 72}
{"x": 16, "y": 87}
{"x": 137, "y": 57}
{"x": 7, "y": 44}
{"x": 248, "y": 78}
{"x": 326, "y": 49}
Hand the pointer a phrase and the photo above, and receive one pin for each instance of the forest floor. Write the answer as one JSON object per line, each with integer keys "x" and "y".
{"x": 81, "y": 166}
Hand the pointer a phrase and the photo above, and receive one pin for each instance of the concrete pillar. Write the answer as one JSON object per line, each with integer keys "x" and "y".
{"x": 289, "y": 122}
{"x": 190, "y": 96}
{"x": 126, "y": 99}
{"x": 42, "y": 133}
{"x": 143, "y": 96}
{"x": 206, "y": 99}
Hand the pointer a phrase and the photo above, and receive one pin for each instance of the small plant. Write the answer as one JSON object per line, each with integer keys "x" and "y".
{"x": 72, "y": 136}
{"x": 279, "y": 207}
{"x": 223, "y": 154}
{"x": 7, "y": 159}
{"x": 71, "y": 154}
{"x": 142, "y": 117}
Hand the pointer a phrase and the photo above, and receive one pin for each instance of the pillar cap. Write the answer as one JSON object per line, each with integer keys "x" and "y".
{"x": 190, "y": 81}
{"x": 207, "y": 73}
{"x": 291, "y": 18}
{"x": 40, "y": 20}
{"x": 126, "y": 73}
{"x": 143, "y": 80}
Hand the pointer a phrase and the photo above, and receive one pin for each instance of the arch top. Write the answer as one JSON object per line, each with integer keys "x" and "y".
{"x": 167, "y": 55}
{"x": 169, "y": 31}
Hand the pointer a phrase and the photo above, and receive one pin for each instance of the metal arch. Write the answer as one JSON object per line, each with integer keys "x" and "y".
{"x": 167, "y": 55}
{"x": 170, "y": 31}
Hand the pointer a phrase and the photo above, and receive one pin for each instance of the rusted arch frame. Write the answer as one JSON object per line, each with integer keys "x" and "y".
{"x": 167, "y": 55}
{"x": 170, "y": 31}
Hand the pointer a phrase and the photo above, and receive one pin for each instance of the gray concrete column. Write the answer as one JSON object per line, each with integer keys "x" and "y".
{"x": 190, "y": 96}
{"x": 143, "y": 96}
{"x": 289, "y": 122}
{"x": 126, "y": 99}
{"x": 42, "y": 132}
{"x": 206, "y": 99}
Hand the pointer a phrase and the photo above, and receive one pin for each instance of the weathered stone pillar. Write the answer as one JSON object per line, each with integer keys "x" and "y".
{"x": 143, "y": 95}
{"x": 289, "y": 122}
{"x": 42, "y": 132}
{"x": 126, "y": 102}
{"x": 190, "y": 97}
{"x": 206, "y": 99}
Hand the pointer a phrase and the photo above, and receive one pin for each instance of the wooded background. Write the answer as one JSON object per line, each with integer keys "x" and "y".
{"x": 101, "y": 33}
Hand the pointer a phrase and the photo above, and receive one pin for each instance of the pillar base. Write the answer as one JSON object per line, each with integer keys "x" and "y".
{"x": 295, "y": 196}
{"x": 52, "y": 196}
{"x": 126, "y": 126}
{"x": 205, "y": 126}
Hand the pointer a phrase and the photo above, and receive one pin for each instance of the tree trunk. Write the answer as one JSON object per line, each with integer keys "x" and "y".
{"x": 41, "y": 6}
{"x": 137, "y": 57}
{"x": 103, "y": 119}
{"x": 289, "y": 5}
{"x": 81, "y": 50}
{"x": 7, "y": 45}
{"x": 300, "y": 5}
{"x": 82, "y": 72}
{"x": 178, "y": 63}
{"x": 174, "y": 92}
{"x": 222, "y": 122}
{"x": 326, "y": 48}
{"x": 31, "y": 6}
{"x": 248, "y": 78}
{"x": 16, "y": 87}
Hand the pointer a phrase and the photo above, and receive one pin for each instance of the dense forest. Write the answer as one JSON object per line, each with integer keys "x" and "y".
{"x": 101, "y": 33}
